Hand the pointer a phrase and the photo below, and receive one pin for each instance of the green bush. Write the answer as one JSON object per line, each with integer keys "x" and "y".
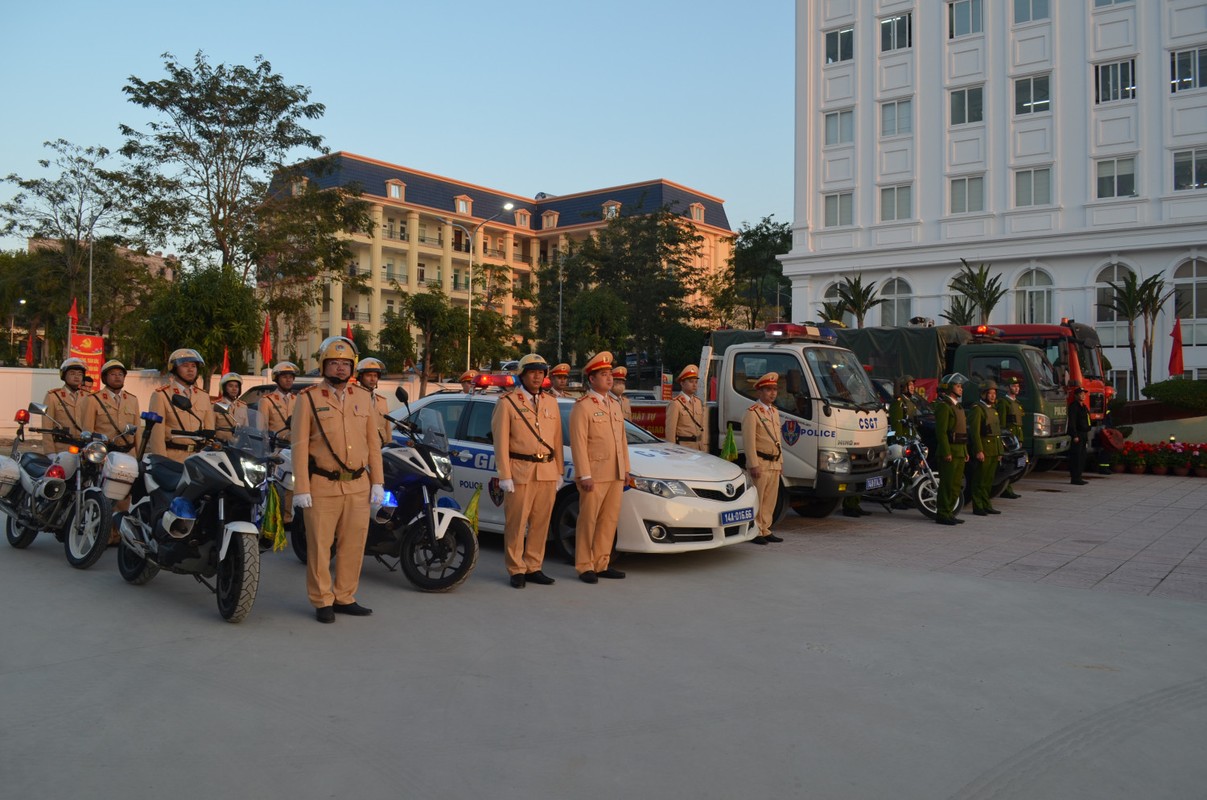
{"x": 1180, "y": 393}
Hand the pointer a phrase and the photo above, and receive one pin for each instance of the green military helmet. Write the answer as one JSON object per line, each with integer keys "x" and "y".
{"x": 987, "y": 387}
{"x": 903, "y": 384}
{"x": 949, "y": 382}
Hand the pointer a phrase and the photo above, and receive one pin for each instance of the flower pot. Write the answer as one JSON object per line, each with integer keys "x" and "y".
{"x": 1181, "y": 471}
{"x": 1200, "y": 472}
{"x": 1160, "y": 469}
{"x": 1118, "y": 467}
{"x": 1138, "y": 469}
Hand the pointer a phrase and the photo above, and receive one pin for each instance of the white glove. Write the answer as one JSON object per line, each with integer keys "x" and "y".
{"x": 377, "y": 494}
{"x": 507, "y": 485}
{"x": 303, "y": 500}
{"x": 562, "y": 482}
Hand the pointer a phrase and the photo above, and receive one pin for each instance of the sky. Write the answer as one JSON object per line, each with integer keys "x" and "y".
{"x": 524, "y": 96}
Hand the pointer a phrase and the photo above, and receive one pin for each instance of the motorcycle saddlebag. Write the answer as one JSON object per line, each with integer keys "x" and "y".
{"x": 10, "y": 475}
{"x": 118, "y": 475}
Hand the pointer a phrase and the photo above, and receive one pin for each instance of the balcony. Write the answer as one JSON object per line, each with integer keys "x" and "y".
{"x": 394, "y": 234}
{"x": 388, "y": 276}
{"x": 435, "y": 241}
{"x": 352, "y": 315}
{"x": 519, "y": 259}
{"x": 491, "y": 252}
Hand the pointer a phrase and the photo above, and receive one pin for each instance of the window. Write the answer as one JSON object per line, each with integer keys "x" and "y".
{"x": 898, "y": 305}
{"x": 1033, "y": 298}
{"x": 521, "y": 219}
{"x": 967, "y": 195}
{"x": 1189, "y": 170}
{"x": 1033, "y": 187}
{"x": 450, "y": 411}
{"x": 1030, "y": 10}
{"x": 1104, "y": 3}
{"x": 1031, "y": 95}
{"x": 1187, "y": 69}
{"x": 611, "y": 210}
{"x": 1190, "y": 300}
{"x": 896, "y": 117}
{"x": 840, "y": 45}
{"x": 477, "y": 427}
{"x": 896, "y": 202}
{"x": 1112, "y": 329}
{"x": 462, "y": 206}
{"x": 697, "y": 212}
{"x": 840, "y": 127}
{"x": 967, "y": 105}
{"x": 1115, "y": 81}
{"x": 793, "y": 397}
{"x": 896, "y": 33}
{"x": 1117, "y": 177}
{"x": 395, "y": 191}
{"x": 838, "y": 209}
{"x": 831, "y": 296}
{"x": 964, "y": 17}
{"x": 422, "y": 274}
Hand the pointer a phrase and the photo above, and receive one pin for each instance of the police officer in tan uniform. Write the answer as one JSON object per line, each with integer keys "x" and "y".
{"x": 337, "y": 475}
{"x": 183, "y": 366}
{"x": 620, "y": 377}
{"x": 686, "y": 420}
{"x": 600, "y": 453}
{"x": 111, "y": 409}
{"x": 559, "y": 377}
{"x": 467, "y": 381}
{"x": 764, "y": 452}
{"x": 276, "y": 407}
{"x": 65, "y": 404}
{"x": 527, "y": 434}
{"x": 235, "y": 416}
{"x": 368, "y": 375}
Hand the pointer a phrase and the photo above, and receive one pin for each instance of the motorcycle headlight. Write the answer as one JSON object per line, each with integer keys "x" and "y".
{"x": 662, "y": 488}
{"x": 1043, "y": 425}
{"x": 834, "y": 461}
{"x": 254, "y": 472}
{"x": 444, "y": 466}
{"x": 95, "y": 452}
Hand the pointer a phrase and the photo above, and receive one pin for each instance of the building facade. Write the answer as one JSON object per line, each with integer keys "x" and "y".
{"x": 1063, "y": 142}
{"x": 422, "y": 226}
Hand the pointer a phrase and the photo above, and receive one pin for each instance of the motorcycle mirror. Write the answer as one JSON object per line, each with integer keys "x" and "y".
{"x": 130, "y": 429}
{"x": 223, "y": 406}
{"x": 37, "y": 408}
{"x": 182, "y": 402}
{"x": 401, "y": 394}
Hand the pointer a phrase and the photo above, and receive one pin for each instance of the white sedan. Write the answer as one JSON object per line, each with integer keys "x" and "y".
{"x": 681, "y": 499}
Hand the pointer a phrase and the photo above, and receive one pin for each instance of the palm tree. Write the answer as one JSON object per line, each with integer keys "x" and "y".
{"x": 857, "y": 298}
{"x": 1127, "y": 301}
{"x": 962, "y": 311}
{"x": 832, "y": 311}
{"x": 983, "y": 291}
{"x": 1153, "y": 297}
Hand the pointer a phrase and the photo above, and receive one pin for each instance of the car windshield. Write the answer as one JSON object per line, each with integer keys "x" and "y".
{"x": 1042, "y": 369}
{"x": 632, "y": 433}
{"x": 841, "y": 377}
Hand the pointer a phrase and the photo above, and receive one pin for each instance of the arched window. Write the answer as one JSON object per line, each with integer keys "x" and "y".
{"x": 1112, "y": 329}
{"x": 898, "y": 305}
{"x": 1033, "y": 298}
{"x": 1190, "y": 300}
{"x": 831, "y": 296}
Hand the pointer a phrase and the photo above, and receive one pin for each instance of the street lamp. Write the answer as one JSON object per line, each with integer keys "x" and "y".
{"x": 91, "y": 224}
{"x": 473, "y": 246}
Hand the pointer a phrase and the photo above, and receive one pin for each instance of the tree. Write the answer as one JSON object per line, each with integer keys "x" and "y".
{"x": 1127, "y": 301}
{"x": 441, "y": 328}
{"x": 395, "y": 340}
{"x": 857, "y": 298}
{"x": 758, "y": 275}
{"x": 833, "y": 310}
{"x": 961, "y": 312}
{"x": 1153, "y": 297}
{"x": 597, "y": 320}
{"x": 982, "y": 290}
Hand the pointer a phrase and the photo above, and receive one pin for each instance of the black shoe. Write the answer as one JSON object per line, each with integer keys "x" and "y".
{"x": 325, "y": 614}
{"x": 771, "y": 537}
{"x": 992, "y": 511}
{"x": 863, "y": 512}
{"x": 539, "y": 578}
{"x": 981, "y": 512}
{"x": 588, "y": 577}
{"x": 851, "y": 512}
{"x": 958, "y": 521}
{"x": 611, "y": 572}
{"x": 517, "y": 581}
{"x": 759, "y": 540}
{"x": 1011, "y": 496}
{"x": 945, "y": 520}
{"x": 352, "y": 609}
{"x": 1080, "y": 483}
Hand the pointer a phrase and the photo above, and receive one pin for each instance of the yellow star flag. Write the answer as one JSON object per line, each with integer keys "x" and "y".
{"x": 272, "y": 526}
{"x": 729, "y": 450}
{"x": 471, "y": 511}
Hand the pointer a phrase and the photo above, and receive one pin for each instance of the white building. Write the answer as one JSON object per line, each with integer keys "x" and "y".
{"x": 1061, "y": 141}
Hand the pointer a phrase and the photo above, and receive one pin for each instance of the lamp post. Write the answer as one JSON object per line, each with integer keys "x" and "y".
{"x": 473, "y": 246}
{"x": 561, "y": 280}
{"x": 91, "y": 224}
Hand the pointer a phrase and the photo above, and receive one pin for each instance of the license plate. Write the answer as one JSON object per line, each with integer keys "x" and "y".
{"x": 741, "y": 515}
{"x": 1022, "y": 462}
{"x": 875, "y": 482}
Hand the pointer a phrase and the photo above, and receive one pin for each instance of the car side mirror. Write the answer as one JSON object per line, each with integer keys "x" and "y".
{"x": 182, "y": 402}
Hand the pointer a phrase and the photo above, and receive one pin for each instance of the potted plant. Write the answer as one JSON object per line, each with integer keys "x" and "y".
{"x": 1159, "y": 459}
{"x": 1198, "y": 459}
{"x": 1134, "y": 457}
{"x": 1179, "y": 458}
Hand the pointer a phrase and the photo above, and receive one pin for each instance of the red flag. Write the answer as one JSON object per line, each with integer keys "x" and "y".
{"x": 266, "y": 345}
{"x": 226, "y": 361}
{"x": 348, "y": 331}
{"x": 29, "y": 350}
{"x": 1175, "y": 354}
{"x": 73, "y": 314}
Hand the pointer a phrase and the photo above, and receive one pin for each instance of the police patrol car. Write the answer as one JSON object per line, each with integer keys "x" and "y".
{"x": 680, "y": 499}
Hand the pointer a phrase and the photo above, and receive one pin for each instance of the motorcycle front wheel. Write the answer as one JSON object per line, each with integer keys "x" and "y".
{"x": 88, "y": 530}
{"x": 135, "y": 568}
{"x": 239, "y": 577}
{"x": 18, "y": 535}
{"x": 438, "y": 566}
{"x": 925, "y": 494}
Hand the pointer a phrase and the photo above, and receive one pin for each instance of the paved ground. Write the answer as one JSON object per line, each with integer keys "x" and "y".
{"x": 866, "y": 658}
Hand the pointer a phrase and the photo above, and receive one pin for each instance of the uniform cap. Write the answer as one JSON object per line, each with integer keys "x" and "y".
{"x": 468, "y": 376}
{"x": 370, "y": 365}
{"x": 690, "y": 371}
{"x": 231, "y": 376}
{"x": 284, "y": 367}
{"x": 533, "y": 361}
{"x": 1014, "y": 381}
{"x": 599, "y": 362}
{"x": 1078, "y": 388}
{"x": 112, "y": 363}
{"x": 770, "y": 379}
{"x": 620, "y": 373}
{"x": 560, "y": 369}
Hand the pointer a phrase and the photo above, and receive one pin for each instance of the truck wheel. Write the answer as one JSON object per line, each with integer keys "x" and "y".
{"x": 814, "y": 507}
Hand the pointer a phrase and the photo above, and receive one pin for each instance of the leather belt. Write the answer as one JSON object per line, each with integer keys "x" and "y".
{"x": 333, "y": 475}
{"x": 958, "y": 438}
{"x": 533, "y": 458}
{"x": 767, "y": 456}
{"x": 686, "y": 439}
{"x": 186, "y": 447}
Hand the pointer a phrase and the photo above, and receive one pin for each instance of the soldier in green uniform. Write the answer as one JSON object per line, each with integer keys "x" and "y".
{"x": 903, "y": 413}
{"x": 951, "y": 448}
{"x": 985, "y": 440}
{"x": 1010, "y": 415}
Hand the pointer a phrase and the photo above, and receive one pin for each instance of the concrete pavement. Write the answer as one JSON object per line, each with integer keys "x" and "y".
{"x": 872, "y": 658}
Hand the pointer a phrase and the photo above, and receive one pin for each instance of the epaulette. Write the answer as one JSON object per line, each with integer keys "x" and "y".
{"x": 754, "y": 407}
{"x": 310, "y": 388}
{"x": 584, "y": 397}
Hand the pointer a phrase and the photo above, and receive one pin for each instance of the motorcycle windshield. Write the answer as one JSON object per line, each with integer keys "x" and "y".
{"x": 251, "y": 441}
{"x": 429, "y": 430}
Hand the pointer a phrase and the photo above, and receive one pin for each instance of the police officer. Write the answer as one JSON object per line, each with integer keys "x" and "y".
{"x": 1010, "y": 414}
{"x": 368, "y": 375}
{"x": 337, "y": 476}
{"x": 65, "y": 404}
{"x": 903, "y": 413}
{"x": 985, "y": 440}
{"x": 111, "y": 409}
{"x": 764, "y": 452}
{"x": 467, "y": 381}
{"x": 559, "y": 378}
{"x": 235, "y": 416}
{"x": 600, "y": 452}
{"x": 1079, "y": 429}
{"x": 527, "y": 432}
{"x": 276, "y": 407}
{"x": 183, "y": 366}
{"x": 620, "y": 376}
{"x": 951, "y": 446}
{"x": 686, "y": 420}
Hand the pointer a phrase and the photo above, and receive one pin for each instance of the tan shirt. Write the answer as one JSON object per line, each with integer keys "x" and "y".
{"x": 349, "y": 425}
{"x": 761, "y": 434}
{"x": 385, "y": 429}
{"x": 235, "y": 418}
{"x": 275, "y": 409}
{"x": 626, "y": 406}
{"x": 175, "y": 447}
{"x": 109, "y": 412}
{"x": 598, "y": 446}
{"x": 685, "y": 421}
{"x": 64, "y": 407}
{"x": 515, "y": 416}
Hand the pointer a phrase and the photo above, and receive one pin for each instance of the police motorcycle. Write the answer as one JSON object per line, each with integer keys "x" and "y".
{"x": 195, "y": 518}
{"x": 911, "y": 483}
{"x": 69, "y": 493}
{"x": 435, "y": 546}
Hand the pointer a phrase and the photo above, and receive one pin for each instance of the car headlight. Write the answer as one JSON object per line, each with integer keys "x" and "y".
{"x": 834, "y": 461}
{"x": 254, "y": 472}
{"x": 662, "y": 488}
{"x": 94, "y": 452}
{"x": 1043, "y": 425}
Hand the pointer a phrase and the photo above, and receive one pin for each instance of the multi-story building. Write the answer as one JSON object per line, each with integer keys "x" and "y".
{"x": 420, "y": 225}
{"x": 1063, "y": 142}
